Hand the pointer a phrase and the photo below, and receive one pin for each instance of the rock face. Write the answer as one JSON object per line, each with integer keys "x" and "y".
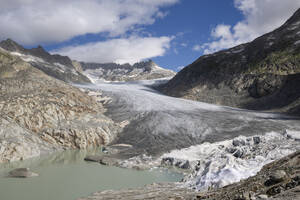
{"x": 18, "y": 143}
{"x": 126, "y": 72}
{"x": 261, "y": 75}
{"x": 60, "y": 67}
{"x": 40, "y": 114}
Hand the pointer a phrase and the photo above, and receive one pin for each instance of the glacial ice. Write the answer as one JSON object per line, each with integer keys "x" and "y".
{"x": 214, "y": 164}
{"x": 154, "y": 113}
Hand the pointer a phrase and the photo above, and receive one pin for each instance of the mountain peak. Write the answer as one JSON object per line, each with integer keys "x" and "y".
{"x": 39, "y": 51}
{"x": 11, "y": 45}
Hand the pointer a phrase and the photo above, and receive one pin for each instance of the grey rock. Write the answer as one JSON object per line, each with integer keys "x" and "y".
{"x": 238, "y": 153}
{"x": 231, "y": 150}
{"x": 183, "y": 164}
{"x": 262, "y": 196}
{"x": 22, "y": 173}
{"x": 238, "y": 142}
{"x": 256, "y": 140}
{"x": 276, "y": 177}
{"x": 93, "y": 158}
{"x": 169, "y": 161}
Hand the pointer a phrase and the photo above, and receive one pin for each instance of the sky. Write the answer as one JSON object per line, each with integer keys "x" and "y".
{"x": 173, "y": 33}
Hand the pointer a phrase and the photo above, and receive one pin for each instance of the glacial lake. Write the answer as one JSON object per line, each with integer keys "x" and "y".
{"x": 66, "y": 176}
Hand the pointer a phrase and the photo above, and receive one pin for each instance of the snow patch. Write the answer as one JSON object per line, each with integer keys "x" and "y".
{"x": 297, "y": 42}
{"x": 28, "y": 58}
{"x": 294, "y": 26}
{"x": 235, "y": 51}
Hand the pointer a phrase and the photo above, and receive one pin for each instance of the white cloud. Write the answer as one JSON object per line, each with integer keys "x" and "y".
{"x": 124, "y": 50}
{"x": 36, "y": 21}
{"x": 183, "y": 44}
{"x": 197, "y": 47}
{"x": 261, "y": 16}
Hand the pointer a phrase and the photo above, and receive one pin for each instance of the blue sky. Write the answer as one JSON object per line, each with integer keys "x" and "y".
{"x": 192, "y": 21}
{"x": 173, "y": 33}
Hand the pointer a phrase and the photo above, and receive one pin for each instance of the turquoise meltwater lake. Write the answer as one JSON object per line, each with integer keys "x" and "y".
{"x": 66, "y": 176}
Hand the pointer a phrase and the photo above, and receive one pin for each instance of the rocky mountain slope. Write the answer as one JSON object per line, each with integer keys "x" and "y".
{"x": 60, "y": 67}
{"x": 126, "y": 72}
{"x": 40, "y": 114}
{"x": 262, "y": 75}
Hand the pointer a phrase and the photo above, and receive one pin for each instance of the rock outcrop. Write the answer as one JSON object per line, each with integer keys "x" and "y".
{"x": 40, "y": 113}
{"x": 126, "y": 72}
{"x": 262, "y": 75}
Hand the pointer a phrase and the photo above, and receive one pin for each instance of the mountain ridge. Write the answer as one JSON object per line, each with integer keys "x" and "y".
{"x": 143, "y": 70}
{"x": 63, "y": 68}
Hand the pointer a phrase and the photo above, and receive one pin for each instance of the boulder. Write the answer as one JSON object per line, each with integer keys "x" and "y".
{"x": 22, "y": 173}
{"x": 276, "y": 177}
{"x": 256, "y": 140}
{"x": 93, "y": 158}
{"x": 167, "y": 161}
{"x": 238, "y": 142}
{"x": 238, "y": 153}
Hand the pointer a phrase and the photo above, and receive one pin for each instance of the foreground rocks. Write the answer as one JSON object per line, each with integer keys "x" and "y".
{"x": 159, "y": 191}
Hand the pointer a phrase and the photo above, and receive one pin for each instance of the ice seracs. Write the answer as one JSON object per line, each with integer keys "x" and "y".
{"x": 222, "y": 163}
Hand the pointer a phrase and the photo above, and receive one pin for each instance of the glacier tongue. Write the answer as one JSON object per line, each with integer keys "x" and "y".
{"x": 222, "y": 163}
{"x": 160, "y": 123}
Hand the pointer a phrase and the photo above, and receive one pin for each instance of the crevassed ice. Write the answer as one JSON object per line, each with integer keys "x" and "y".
{"x": 214, "y": 164}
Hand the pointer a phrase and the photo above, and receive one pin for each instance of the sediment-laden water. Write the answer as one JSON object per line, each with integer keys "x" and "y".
{"x": 66, "y": 176}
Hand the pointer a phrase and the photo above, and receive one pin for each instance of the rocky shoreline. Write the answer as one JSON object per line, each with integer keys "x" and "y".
{"x": 277, "y": 180}
{"x": 251, "y": 156}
